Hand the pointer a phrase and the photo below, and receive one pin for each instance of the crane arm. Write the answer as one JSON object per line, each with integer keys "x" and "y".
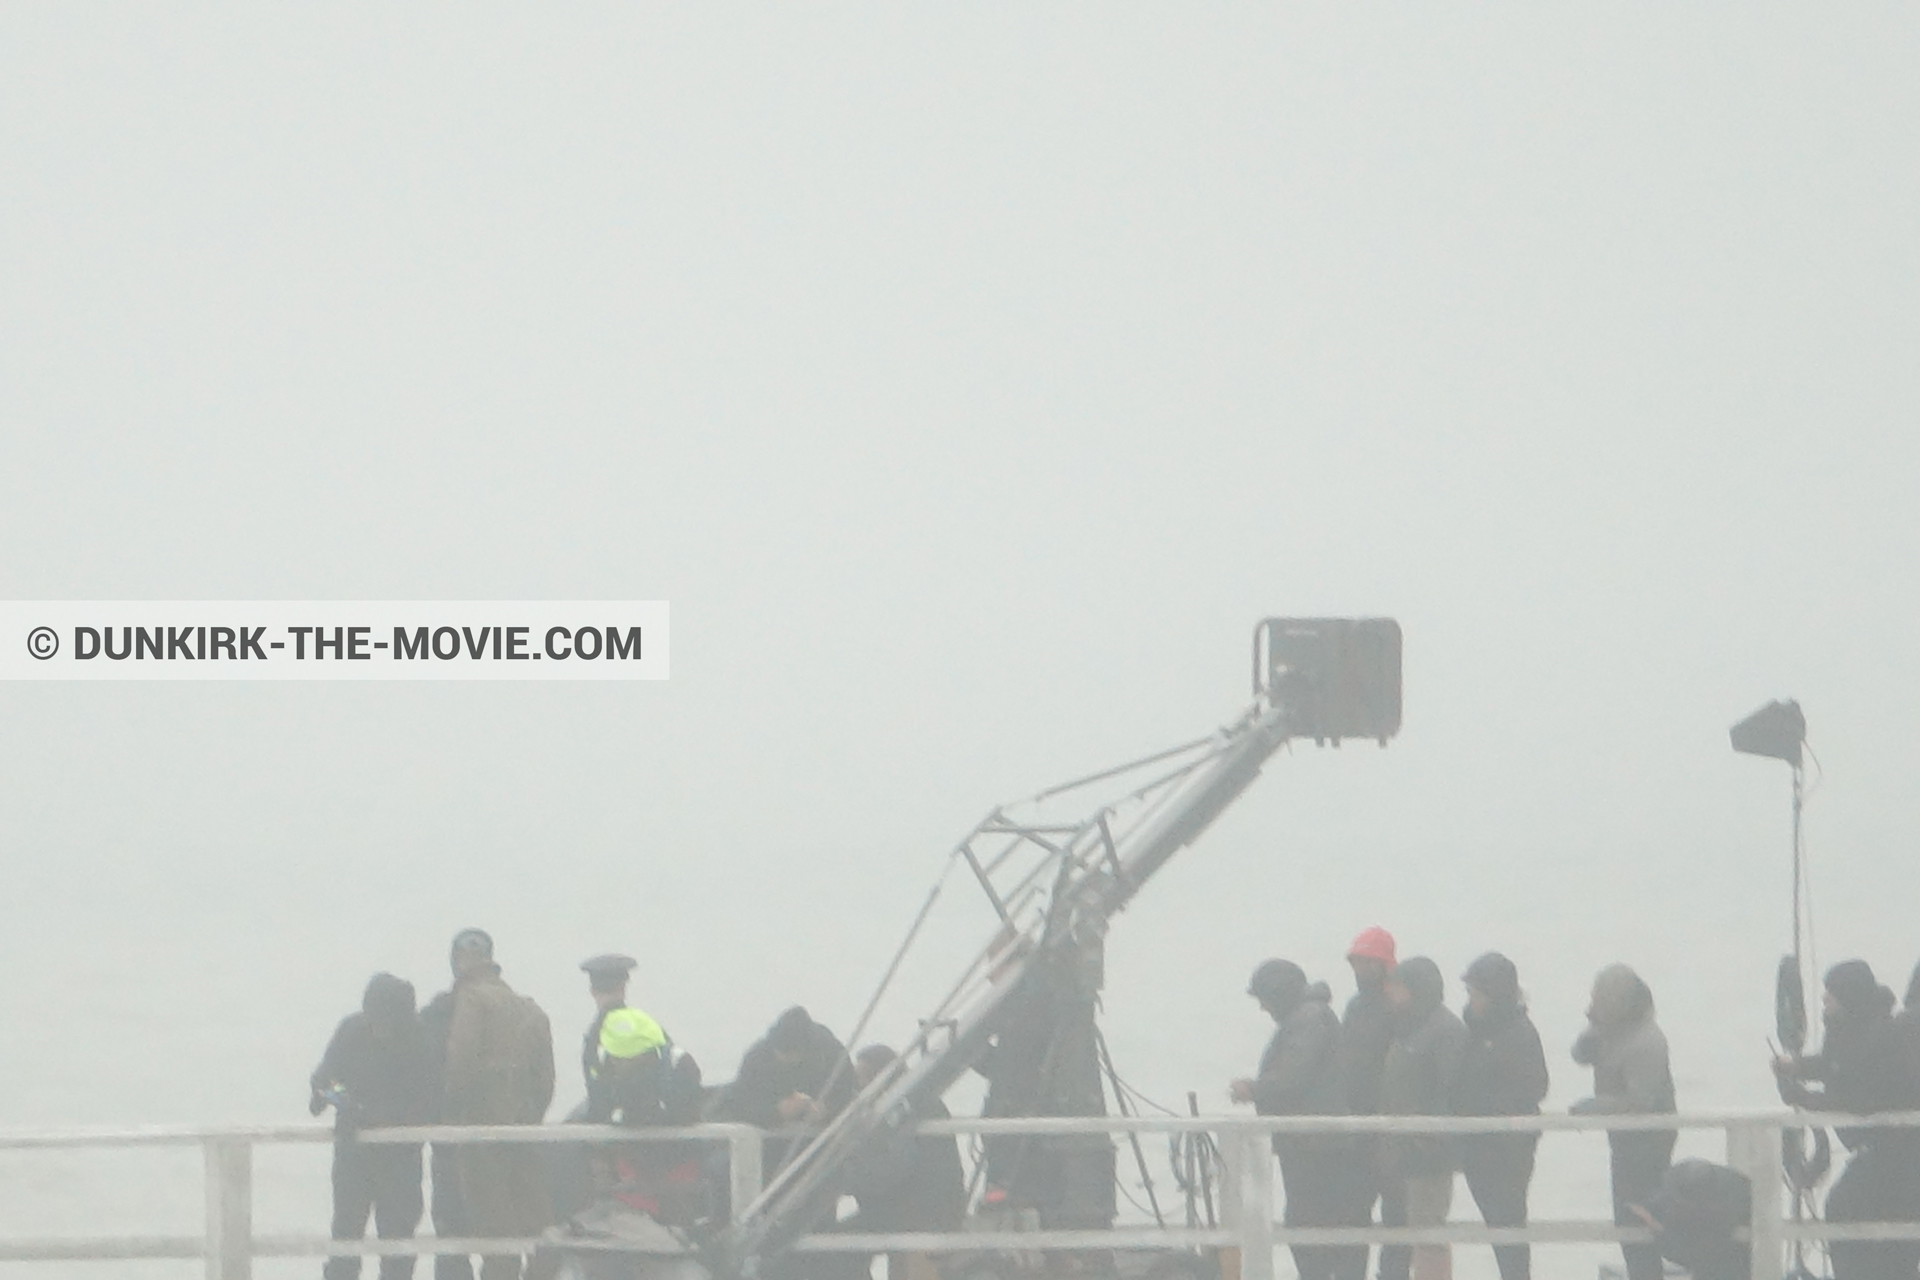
{"x": 1055, "y": 887}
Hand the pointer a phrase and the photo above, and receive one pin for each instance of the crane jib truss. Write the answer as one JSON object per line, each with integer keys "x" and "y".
{"x": 1055, "y": 885}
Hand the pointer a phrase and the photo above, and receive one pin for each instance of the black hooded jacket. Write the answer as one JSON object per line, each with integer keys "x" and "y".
{"x": 821, "y": 1070}
{"x": 379, "y": 1060}
{"x": 907, "y": 1182}
{"x": 1366, "y": 1029}
{"x": 1422, "y": 1072}
{"x": 1300, "y": 1071}
{"x": 1503, "y": 1069}
{"x": 1864, "y": 1064}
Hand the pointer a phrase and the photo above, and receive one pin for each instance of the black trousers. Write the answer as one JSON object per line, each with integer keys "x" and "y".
{"x": 1639, "y": 1160}
{"x": 448, "y": 1218}
{"x": 1881, "y": 1183}
{"x": 1396, "y": 1259}
{"x": 378, "y": 1181}
{"x": 1498, "y": 1168}
{"x": 1321, "y": 1192}
{"x": 1715, "y": 1262}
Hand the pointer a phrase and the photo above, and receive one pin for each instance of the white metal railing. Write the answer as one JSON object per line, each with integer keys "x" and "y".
{"x": 1247, "y": 1202}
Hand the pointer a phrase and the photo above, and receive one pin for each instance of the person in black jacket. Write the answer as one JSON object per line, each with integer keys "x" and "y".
{"x": 905, "y": 1182}
{"x": 1693, "y": 1216}
{"x": 607, "y": 977}
{"x": 1503, "y": 1072}
{"x": 643, "y": 1081}
{"x": 377, "y": 1071}
{"x": 1043, "y": 1059}
{"x": 1299, "y": 1075}
{"x": 1863, "y": 1066}
{"x": 1366, "y": 1029}
{"x": 1421, "y": 1078}
{"x": 798, "y": 1074}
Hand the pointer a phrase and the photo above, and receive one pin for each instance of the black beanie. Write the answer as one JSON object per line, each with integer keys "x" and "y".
{"x": 792, "y": 1031}
{"x": 1496, "y": 975}
{"x": 1858, "y": 991}
{"x": 1280, "y": 983}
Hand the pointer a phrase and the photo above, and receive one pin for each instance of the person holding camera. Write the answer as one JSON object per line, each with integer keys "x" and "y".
{"x": 376, "y": 1071}
{"x": 1864, "y": 1065}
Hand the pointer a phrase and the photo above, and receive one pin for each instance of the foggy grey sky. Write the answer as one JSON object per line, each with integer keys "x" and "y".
{"x": 970, "y": 382}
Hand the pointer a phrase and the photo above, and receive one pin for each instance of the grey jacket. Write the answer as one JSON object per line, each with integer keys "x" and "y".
{"x": 1631, "y": 1075}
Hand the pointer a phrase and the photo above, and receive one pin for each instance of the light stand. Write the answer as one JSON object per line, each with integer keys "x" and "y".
{"x": 1779, "y": 732}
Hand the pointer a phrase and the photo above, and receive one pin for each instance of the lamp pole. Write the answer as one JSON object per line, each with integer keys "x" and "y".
{"x": 1779, "y": 731}
{"x": 1797, "y": 874}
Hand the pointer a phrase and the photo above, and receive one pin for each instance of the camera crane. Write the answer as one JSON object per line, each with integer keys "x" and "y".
{"x": 1026, "y": 1002}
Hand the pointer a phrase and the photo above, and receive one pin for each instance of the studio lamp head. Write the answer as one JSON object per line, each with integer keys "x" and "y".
{"x": 1776, "y": 730}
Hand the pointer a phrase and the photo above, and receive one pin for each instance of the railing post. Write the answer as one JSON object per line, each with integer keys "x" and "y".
{"x": 1230, "y": 1178}
{"x": 743, "y": 1168}
{"x": 1753, "y": 1148}
{"x": 1255, "y": 1203}
{"x": 229, "y": 1204}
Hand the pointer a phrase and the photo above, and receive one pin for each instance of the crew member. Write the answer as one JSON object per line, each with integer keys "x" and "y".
{"x": 1863, "y": 1067}
{"x": 796, "y": 1074}
{"x": 1421, "y": 1078}
{"x": 907, "y": 1182}
{"x": 571, "y": 1169}
{"x": 1366, "y": 1029}
{"x": 1693, "y": 1216}
{"x": 1631, "y": 1076}
{"x": 1504, "y": 1074}
{"x": 377, "y": 1070}
{"x": 607, "y": 984}
{"x": 499, "y": 1070}
{"x": 639, "y": 1082}
{"x": 1299, "y": 1074}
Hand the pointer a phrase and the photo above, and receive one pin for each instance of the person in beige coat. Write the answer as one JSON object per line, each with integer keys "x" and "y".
{"x": 499, "y": 1070}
